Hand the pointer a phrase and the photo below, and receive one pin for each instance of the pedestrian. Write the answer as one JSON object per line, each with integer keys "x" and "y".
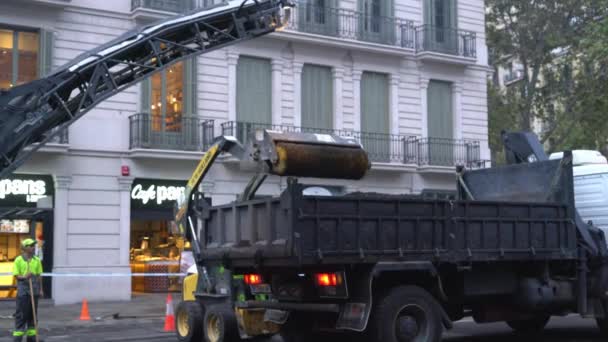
{"x": 27, "y": 267}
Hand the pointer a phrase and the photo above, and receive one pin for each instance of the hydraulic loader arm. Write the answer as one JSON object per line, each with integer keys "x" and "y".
{"x": 37, "y": 111}
{"x": 274, "y": 153}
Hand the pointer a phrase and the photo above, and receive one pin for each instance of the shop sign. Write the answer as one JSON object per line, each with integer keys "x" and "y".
{"x": 156, "y": 193}
{"x": 25, "y": 190}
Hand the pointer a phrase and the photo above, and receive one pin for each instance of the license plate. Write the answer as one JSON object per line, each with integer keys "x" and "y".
{"x": 260, "y": 289}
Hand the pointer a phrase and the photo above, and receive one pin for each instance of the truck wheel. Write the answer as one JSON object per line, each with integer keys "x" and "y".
{"x": 529, "y": 326}
{"x": 189, "y": 322}
{"x": 406, "y": 314}
{"x": 220, "y": 324}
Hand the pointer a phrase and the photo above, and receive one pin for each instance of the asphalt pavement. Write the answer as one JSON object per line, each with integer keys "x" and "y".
{"x": 560, "y": 329}
{"x": 141, "y": 319}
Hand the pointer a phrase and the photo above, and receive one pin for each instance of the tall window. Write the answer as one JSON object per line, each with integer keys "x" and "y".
{"x": 167, "y": 99}
{"x": 317, "y": 97}
{"x": 376, "y": 21}
{"x": 441, "y": 25}
{"x": 375, "y": 124}
{"x": 440, "y": 123}
{"x": 318, "y": 16}
{"x": 19, "y": 57}
{"x": 253, "y": 95}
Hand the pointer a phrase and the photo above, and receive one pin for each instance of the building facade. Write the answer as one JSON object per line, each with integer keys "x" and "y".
{"x": 407, "y": 78}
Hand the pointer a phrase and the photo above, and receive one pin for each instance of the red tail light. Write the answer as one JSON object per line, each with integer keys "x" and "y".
{"x": 328, "y": 279}
{"x": 253, "y": 279}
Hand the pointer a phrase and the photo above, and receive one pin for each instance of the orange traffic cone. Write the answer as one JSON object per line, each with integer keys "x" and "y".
{"x": 170, "y": 315}
{"x": 84, "y": 312}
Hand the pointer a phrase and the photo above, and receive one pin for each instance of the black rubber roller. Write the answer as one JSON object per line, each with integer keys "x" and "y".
{"x": 320, "y": 161}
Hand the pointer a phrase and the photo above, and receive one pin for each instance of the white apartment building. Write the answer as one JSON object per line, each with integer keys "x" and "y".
{"x": 405, "y": 77}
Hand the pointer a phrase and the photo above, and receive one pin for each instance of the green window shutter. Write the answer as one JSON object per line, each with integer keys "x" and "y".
{"x": 190, "y": 126}
{"x": 440, "y": 116}
{"x": 428, "y": 11}
{"x": 146, "y": 90}
{"x": 374, "y": 103}
{"x": 440, "y": 124}
{"x": 253, "y": 95}
{"x": 190, "y": 86}
{"x": 452, "y": 15}
{"x": 45, "y": 56}
{"x": 317, "y": 97}
{"x": 375, "y": 125}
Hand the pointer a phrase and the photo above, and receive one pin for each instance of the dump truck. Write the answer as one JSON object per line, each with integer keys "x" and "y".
{"x": 392, "y": 268}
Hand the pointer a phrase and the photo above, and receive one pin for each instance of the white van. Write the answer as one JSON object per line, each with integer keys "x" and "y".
{"x": 590, "y": 186}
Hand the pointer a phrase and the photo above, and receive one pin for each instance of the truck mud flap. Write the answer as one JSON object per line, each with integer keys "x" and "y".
{"x": 354, "y": 315}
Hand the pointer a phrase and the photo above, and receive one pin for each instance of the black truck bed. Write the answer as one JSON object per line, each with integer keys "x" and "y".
{"x": 366, "y": 228}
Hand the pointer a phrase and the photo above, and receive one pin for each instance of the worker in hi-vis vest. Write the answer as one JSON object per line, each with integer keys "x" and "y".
{"x": 27, "y": 267}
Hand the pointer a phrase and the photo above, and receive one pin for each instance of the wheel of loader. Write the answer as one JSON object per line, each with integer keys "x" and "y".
{"x": 406, "y": 314}
{"x": 189, "y": 321}
{"x": 530, "y": 326}
{"x": 220, "y": 324}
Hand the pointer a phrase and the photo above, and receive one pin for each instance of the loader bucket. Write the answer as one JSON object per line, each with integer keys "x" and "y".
{"x": 310, "y": 154}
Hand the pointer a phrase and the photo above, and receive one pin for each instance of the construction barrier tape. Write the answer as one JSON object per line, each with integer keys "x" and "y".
{"x": 107, "y": 274}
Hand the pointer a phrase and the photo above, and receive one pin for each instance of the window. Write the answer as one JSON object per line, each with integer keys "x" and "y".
{"x": 376, "y": 21}
{"x": 317, "y": 97}
{"x": 441, "y": 25}
{"x": 167, "y": 99}
{"x": 253, "y": 95}
{"x": 375, "y": 126}
{"x": 440, "y": 123}
{"x": 441, "y": 13}
{"x": 318, "y": 16}
{"x": 253, "y": 90}
{"x": 19, "y": 57}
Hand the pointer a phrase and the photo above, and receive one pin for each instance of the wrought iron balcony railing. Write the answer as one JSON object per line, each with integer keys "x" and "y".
{"x": 175, "y": 6}
{"x": 446, "y": 40}
{"x": 444, "y": 152}
{"x": 380, "y": 147}
{"x": 185, "y": 133}
{"x": 349, "y": 24}
{"x": 384, "y": 148}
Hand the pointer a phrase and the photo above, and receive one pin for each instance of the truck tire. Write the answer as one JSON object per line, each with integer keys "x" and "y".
{"x": 406, "y": 314}
{"x": 530, "y": 326}
{"x": 220, "y": 324}
{"x": 189, "y": 322}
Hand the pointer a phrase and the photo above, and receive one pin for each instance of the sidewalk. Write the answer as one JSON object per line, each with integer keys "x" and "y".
{"x": 142, "y": 310}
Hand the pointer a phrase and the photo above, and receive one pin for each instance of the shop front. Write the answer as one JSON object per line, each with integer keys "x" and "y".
{"x": 26, "y": 211}
{"x": 156, "y": 247}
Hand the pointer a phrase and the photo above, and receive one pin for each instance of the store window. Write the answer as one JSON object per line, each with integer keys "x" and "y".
{"x": 167, "y": 99}
{"x": 18, "y": 57}
{"x": 26, "y": 208}
{"x": 156, "y": 245}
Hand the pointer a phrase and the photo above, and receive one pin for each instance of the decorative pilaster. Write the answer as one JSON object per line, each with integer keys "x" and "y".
{"x": 424, "y": 87}
{"x": 297, "y": 93}
{"x": 394, "y": 103}
{"x": 232, "y": 59}
{"x": 338, "y": 79}
{"x": 357, "y": 98}
{"x": 60, "y": 226}
{"x": 124, "y": 188}
{"x": 277, "y": 90}
{"x": 457, "y": 98}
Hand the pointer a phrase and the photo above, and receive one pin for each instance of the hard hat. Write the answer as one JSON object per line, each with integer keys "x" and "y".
{"x": 28, "y": 243}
